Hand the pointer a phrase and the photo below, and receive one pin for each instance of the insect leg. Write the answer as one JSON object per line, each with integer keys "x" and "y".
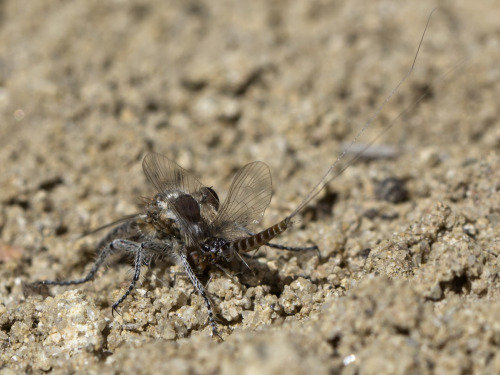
{"x": 106, "y": 251}
{"x": 287, "y": 248}
{"x": 292, "y": 248}
{"x": 139, "y": 249}
{"x": 201, "y": 291}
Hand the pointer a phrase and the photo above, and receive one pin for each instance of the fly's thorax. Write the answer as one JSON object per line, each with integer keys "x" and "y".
{"x": 175, "y": 213}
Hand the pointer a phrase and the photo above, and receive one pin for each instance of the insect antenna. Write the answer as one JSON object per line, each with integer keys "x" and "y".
{"x": 327, "y": 177}
{"x": 247, "y": 244}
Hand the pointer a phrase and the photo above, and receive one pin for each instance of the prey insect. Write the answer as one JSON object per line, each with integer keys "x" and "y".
{"x": 185, "y": 220}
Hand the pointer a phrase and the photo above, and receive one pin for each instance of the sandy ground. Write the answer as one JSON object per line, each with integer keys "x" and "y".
{"x": 406, "y": 282}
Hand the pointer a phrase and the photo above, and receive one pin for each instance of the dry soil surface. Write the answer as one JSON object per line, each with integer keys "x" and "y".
{"x": 406, "y": 280}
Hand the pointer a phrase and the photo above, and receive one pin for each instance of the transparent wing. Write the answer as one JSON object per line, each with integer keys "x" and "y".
{"x": 246, "y": 202}
{"x": 175, "y": 184}
{"x": 167, "y": 176}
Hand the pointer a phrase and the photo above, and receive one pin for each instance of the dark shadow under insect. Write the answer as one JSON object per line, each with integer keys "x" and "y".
{"x": 186, "y": 223}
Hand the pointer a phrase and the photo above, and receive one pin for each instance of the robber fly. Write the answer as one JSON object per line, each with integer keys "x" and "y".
{"x": 186, "y": 222}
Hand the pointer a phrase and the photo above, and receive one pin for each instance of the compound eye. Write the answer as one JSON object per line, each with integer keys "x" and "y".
{"x": 205, "y": 248}
{"x": 187, "y": 206}
{"x": 210, "y": 197}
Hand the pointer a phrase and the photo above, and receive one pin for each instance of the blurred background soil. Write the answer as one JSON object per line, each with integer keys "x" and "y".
{"x": 407, "y": 279}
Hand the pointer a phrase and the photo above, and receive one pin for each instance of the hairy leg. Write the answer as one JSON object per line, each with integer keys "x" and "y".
{"x": 139, "y": 259}
{"x": 292, "y": 248}
{"x": 107, "y": 250}
{"x": 201, "y": 291}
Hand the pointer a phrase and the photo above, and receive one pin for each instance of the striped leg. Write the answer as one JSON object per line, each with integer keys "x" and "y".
{"x": 201, "y": 291}
{"x": 292, "y": 248}
{"x": 283, "y": 247}
{"x": 139, "y": 248}
{"x": 103, "y": 255}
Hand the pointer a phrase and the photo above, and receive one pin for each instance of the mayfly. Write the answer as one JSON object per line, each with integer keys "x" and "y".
{"x": 186, "y": 221}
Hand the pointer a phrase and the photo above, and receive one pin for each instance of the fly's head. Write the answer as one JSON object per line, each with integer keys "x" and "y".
{"x": 216, "y": 250}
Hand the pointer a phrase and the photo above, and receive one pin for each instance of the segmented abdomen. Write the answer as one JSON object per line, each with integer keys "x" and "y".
{"x": 257, "y": 240}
